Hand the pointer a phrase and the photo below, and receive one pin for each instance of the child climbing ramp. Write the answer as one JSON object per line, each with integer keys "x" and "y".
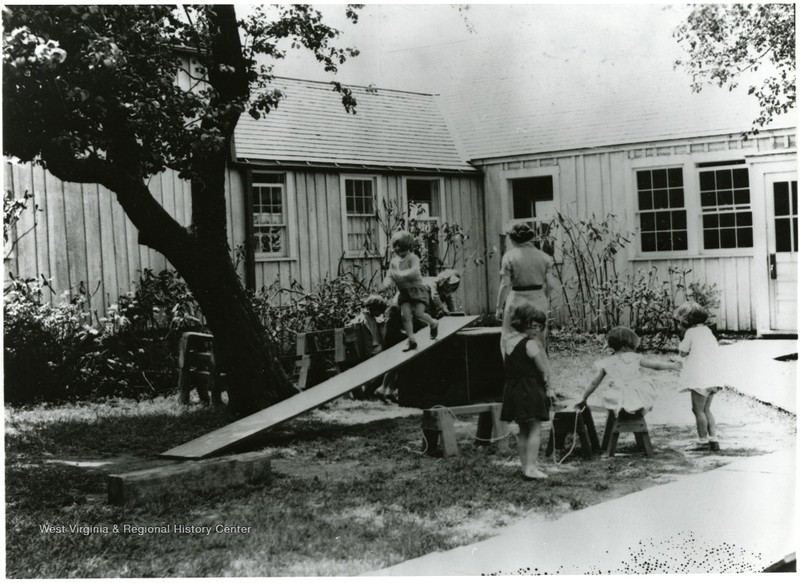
{"x": 228, "y": 437}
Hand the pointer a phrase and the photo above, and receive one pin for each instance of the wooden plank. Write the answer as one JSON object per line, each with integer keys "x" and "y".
{"x": 303, "y": 274}
{"x": 31, "y": 178}
{"x": 25, "y": 251}
{"x": 334, "y": 202}
{"x": 323, "y": 232}
{"x": 107, "y": 250}
{"x": 119, "y": 220}
{"x": 182, "y": 479}
{"x": 57, "y": 234}
{"x": 76, "y": 235}
{"x": 134, "y": 261}
{"x": 154, "y": 184}
{"x": 315, "y": 239}
{"x": 94, "y": 256}
{"x": 226, "y": 437}
{"x": 238, "y": 213}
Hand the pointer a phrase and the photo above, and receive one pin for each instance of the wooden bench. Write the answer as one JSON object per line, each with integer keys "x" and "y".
{"x": 568, "y": 421}
{"x": 439, "y": 432}
{"x": 626, "y": 423}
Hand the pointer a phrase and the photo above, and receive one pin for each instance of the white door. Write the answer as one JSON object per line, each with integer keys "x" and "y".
{"x": 782, "y": 235}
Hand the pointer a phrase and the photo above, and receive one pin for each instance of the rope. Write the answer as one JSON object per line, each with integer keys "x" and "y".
{"x": 574, "y": 439}
{"x": 488, "y": 439}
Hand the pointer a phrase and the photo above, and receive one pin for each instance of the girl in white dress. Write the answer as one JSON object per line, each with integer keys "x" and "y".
{"x": 626, "y": 389}
{"x": 703, "y": 372}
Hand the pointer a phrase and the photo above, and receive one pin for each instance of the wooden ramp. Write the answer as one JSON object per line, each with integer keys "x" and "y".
{"x": 224, "y": 438}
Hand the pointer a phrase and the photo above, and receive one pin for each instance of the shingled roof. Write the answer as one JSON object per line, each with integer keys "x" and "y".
{"x": 395, "y": 130}
{"x": 528, "y": 116}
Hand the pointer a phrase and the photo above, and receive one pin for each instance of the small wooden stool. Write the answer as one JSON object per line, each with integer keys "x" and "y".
{"x": 197, "y": 367}
{"x": 438, "y": 428}
{"x": 626, "y": 423}
{"x": 567, "y": 421}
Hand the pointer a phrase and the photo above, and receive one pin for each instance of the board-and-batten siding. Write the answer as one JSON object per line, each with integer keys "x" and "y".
{"x": 83, "y": 240}
{"x": 320, "y": 241}
{"x": 597, "y": 182}
{"x": 80, "y": 238}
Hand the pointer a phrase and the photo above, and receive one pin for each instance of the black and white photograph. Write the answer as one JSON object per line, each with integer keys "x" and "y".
{"x": 401, "y": 290}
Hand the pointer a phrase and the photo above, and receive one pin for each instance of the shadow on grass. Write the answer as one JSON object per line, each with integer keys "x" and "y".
{"x": 142, "y": 434}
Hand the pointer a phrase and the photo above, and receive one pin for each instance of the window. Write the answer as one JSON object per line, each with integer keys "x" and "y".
{"x": 661, "y": 209}
{"x": 727, "y": 219}
{"x": 361, "y": 224}
{"x": 785, "y": 201}
{"x": 424, "y": 206}
{"x": 532, "y": 201}
{"x": 424, "y": 202}
{"x": 270, "y": 214}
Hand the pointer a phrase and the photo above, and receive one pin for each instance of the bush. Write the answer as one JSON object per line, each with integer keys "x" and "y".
{"x": 40, "y": 342}
{"x": 56, "y": 353}
{"x": 286, "y": 312}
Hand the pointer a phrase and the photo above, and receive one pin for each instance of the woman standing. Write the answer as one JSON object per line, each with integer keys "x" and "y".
{"x": 526, "y": 276}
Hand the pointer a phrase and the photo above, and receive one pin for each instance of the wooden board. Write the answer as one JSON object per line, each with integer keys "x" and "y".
{"x": 225, "y": 438}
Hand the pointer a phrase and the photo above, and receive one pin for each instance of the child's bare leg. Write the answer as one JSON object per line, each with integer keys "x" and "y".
{"x": 388, "y": 385}
{"x": 711, "y": 422}
{"x": 406, "y": 312}
{"x": 419, "y": 312}
{"x": 529, "y": 452}
{"x": 698, "y": 408}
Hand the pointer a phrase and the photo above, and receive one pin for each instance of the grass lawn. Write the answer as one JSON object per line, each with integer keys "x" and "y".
{"x": 351, "y": 491}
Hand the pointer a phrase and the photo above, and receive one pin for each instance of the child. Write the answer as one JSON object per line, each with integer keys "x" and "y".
{"x": 527, "y": 372}
{"x": 404, "y": 271}
{"x": 368, "y": 330}
{"x": 626, "y": 390}
{"x": 701, "y": 374}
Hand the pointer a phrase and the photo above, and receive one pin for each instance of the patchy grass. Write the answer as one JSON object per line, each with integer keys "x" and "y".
{"x": 351, "y": 491}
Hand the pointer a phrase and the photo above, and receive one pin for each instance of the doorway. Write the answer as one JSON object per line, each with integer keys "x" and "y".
{"x": 782, "y": 236}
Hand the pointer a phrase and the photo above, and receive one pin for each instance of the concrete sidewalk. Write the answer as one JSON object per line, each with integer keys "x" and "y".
{"x": 755, "y": 371}
{"x": 736, "y": 519}
{"x": 740, "y": 518}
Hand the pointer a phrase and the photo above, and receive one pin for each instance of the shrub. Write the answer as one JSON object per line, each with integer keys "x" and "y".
{"x": 40, "y": 341}
{"x": 55, "y": 353}
{"x": 285, "y": 312}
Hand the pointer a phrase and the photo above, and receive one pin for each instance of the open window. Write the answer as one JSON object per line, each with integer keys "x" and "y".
{"x": 532, "y": 202}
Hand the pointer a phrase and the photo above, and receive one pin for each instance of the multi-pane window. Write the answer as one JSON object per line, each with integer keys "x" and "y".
{"x": 361, "y": 223}
{"x": 727, "y": 218}
{"x": 662, "y": 210}
{"x": 269, "y": 214}
{"x": 785, "y": 201}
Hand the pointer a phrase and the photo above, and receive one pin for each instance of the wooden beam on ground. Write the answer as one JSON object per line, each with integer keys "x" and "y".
{"x": 225, "y": 438}
{"x": 184, "y": 478}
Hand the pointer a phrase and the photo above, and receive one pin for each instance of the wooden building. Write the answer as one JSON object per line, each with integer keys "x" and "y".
{"x": 306, "y": 181}
{"x": 671, "y": 165}
{"x": 308, "y": 186}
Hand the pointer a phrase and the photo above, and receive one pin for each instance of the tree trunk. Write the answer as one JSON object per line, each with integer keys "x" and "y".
{"x": 255, "y": 377}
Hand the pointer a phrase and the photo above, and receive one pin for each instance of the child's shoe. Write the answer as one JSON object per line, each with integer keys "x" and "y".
{"x": 434, "y": 331}
{"x": 410, "y": 346}
{"x": 699, "y": 446}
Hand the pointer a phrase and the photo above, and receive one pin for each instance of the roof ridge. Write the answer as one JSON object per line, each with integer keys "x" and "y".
{"x": 351, "y": 85}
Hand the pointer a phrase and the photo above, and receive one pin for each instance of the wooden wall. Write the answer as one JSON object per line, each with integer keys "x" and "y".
{"x": 319, "y": 235}
{"x": 82, "y": 240}
{"x": 599, "y": 181}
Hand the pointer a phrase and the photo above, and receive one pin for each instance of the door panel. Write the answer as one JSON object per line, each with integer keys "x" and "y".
{"x": 782, "y": 240}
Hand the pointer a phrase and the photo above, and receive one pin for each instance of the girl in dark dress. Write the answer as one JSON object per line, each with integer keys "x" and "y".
{"x": 525, "y": 395}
